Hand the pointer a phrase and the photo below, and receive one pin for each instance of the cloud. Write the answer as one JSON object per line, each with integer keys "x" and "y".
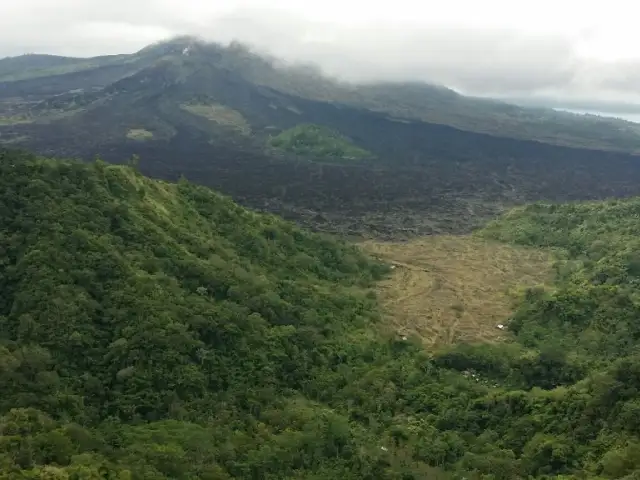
{"x": 550, "y": 53}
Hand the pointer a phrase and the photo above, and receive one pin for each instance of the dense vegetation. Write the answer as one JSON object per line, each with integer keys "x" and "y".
{"x": 592, "y": 315}
{"x": 585, "y": 333}
{"x": 317, "y": 142}
{"x": 161, "y": 331}
{"x": 152, "y": 330}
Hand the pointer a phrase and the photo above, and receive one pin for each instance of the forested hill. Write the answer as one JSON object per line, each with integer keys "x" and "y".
{"x": 159, "y": 331}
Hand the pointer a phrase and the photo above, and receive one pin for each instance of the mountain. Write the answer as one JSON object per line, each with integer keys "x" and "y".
{"x": 422, "y": 101}
{"x": 412, "y": 159}
{"x": 161, "y": 331}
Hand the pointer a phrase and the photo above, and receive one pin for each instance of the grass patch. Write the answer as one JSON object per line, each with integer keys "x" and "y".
{"x": 14, "y": 120}
{"x": 139, "y": 134}
{"x": 224, "y": 116}
{"x": 319, "y": 142}
{"x": 449, "y": 289}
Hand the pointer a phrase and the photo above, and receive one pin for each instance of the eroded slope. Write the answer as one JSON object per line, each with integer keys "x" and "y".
{"x": 450, "y": 289}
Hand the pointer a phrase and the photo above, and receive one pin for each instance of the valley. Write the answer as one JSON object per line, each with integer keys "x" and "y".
{"x": 216, "y": 266}
{"x": 132, "y": 308}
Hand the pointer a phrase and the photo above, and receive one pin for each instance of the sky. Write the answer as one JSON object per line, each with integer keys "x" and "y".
{"x": 577, "y": 54}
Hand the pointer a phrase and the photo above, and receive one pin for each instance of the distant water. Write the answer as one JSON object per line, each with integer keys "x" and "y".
{"x": 632, "y": 117}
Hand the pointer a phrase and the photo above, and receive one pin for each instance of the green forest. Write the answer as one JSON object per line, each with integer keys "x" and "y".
{"x": 151, "y": 330}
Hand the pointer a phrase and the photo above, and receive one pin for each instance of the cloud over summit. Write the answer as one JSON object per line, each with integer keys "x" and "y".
{"x": 566, "y": 51}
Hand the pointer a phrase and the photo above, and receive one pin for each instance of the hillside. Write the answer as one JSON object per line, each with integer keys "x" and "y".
{"x": 161, "y": 330}
{"x": 429, "y": 103}
{"x": 210, "y": 113}
{"x": 156, "y": 330}
{"x": 563, "y": 377}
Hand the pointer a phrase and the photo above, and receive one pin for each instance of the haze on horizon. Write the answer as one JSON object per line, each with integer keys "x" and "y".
{"x": 567, "y": 54}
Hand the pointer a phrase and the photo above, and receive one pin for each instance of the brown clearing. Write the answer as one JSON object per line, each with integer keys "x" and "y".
{"x": 448, "y": 289}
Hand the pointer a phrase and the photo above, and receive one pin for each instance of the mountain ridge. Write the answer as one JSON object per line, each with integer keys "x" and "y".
{"x": 210, "y": 112}
{"x": 411, "y": 100}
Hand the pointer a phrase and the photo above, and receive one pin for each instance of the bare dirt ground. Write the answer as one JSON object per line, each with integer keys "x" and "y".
{"x": 448, "y": 289}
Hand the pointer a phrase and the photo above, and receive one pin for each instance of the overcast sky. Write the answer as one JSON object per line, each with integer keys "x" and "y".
{"x": 575, "y": 51}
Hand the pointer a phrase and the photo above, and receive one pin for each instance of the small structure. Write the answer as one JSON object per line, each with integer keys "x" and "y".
{"x": 501, "y": 326}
